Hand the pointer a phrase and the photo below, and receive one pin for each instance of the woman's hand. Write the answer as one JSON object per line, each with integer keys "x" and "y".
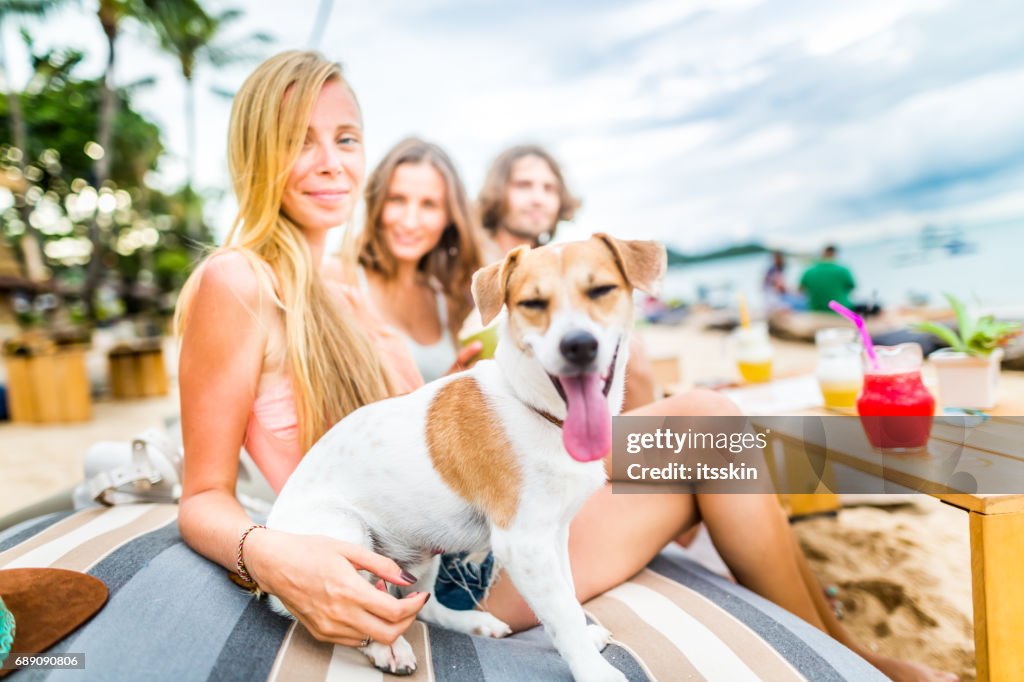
{"x": 317, "y": 580}
{"x": 467, "y": 357}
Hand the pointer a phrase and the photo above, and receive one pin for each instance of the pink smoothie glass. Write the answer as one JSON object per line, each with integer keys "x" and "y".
{"x": 895, "y": 408}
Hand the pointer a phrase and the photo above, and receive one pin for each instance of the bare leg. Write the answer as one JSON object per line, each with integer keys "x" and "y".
{"x": 605, "y": 520}
{"x": 759, "y": 554}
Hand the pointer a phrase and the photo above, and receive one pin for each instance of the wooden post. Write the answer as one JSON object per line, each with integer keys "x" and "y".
{"x": 795, "y": 471}
{"x": 997, "y": 556}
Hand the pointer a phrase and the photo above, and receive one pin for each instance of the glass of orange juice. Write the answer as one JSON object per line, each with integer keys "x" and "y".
{"x": 839, "y": 371}
{"x": 754, "y": 353}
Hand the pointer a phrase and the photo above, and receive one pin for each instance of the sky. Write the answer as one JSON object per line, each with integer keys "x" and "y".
{"x": 697, "y": 123}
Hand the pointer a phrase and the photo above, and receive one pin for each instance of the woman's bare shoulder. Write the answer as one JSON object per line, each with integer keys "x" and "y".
{"x": 236, "y": 275}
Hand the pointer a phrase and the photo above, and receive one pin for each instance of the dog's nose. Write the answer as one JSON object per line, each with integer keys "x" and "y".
{"x": 579, "y": 347}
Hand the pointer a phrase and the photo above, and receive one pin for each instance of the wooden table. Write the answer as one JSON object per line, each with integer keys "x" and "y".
{"x": 996, "y": 520}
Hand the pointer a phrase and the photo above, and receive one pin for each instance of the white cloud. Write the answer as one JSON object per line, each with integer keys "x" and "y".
{"x": 695, "y": 122}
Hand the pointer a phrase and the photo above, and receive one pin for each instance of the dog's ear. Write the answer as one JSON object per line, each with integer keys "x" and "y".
{"x": 642, "y": 263}
{"x": 490, "y": 284}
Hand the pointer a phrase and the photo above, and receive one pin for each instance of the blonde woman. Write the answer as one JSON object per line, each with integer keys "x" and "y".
{"x": 418, "y": 254}
{"x": 273, "y": 353}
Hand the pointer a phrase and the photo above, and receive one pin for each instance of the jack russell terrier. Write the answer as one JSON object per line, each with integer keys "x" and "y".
{"x": 498, "y": 457}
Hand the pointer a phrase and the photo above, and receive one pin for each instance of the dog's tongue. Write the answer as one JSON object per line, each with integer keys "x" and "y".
{"x": 587, "y": 432}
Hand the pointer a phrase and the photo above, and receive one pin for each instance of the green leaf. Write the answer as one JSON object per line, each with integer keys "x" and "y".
{"x": 944, "y": 333}
{"x": 963, "y": 320}
{"x": 988, "y": 334}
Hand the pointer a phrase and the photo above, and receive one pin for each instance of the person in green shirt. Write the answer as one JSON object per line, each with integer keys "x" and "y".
{"x": 826, "y": 281}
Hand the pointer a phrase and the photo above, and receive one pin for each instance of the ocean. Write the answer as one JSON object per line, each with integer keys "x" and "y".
{"x": 981, "y": 265}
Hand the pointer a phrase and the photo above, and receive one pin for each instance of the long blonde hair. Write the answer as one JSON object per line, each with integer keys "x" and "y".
{"x": 334, "y": 368}
{"x": 456, "y": 256}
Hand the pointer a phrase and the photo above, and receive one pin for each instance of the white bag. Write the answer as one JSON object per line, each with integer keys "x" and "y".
{"x": 148, "y": 469}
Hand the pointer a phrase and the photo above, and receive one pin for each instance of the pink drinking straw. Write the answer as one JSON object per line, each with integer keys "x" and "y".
{"x": 859, "y": 322}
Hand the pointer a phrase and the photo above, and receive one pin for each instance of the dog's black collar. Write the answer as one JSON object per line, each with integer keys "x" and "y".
{"x": 548, "y": 416}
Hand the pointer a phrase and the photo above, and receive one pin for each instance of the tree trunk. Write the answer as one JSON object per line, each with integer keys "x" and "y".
{"x": 101, "y": 168}
{"x": 193, "y": 222}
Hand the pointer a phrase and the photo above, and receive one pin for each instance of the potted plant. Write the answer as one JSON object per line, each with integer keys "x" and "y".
{"x": 968, "y": 370}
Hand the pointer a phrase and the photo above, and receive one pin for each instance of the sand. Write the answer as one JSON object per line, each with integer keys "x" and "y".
{"x": 903, "y": 574}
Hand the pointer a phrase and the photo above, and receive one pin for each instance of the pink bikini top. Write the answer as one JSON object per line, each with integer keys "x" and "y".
{"x": 272, "y": 434}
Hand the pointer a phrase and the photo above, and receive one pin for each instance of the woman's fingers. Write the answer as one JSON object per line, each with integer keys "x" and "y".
{"x": 382, "y": 605}
{"x": 350, "y": 624}
{"x": 467, "y": 355}
{"x": 380, "y": 566}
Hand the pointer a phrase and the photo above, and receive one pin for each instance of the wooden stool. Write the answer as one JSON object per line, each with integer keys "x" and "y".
{"x": 137, "y": 370}
{"x": 48, "y": 386}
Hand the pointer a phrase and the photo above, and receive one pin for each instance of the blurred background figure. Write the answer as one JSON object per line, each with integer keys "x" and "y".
{"x": 827, "y": 281}
{"x": 777, "y": 295}
{"x": 418, "y": 252}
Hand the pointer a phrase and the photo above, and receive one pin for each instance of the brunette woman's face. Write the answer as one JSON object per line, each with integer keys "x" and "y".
{"x": 323, "y": 185}
{"x": 415, "y": 211}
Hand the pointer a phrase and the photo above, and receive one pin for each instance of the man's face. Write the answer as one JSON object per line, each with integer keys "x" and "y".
{"x": 533, "y": 197}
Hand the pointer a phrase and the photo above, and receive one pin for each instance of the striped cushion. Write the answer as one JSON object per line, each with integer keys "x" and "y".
{"x": 173, "y": 615}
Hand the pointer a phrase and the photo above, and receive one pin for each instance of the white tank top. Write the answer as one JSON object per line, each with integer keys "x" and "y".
{"x": 435, "y": 359}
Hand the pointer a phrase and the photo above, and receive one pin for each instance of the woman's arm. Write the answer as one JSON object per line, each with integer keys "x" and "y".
{"x": 219, "y": 371}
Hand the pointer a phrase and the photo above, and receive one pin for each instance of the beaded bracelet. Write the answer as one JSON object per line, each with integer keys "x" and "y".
{"x": 243, "y": 573}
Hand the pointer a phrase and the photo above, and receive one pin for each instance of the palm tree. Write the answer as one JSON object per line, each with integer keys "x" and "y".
{"x": 30, "y": 242}
{"x": 194, "y": 36}
{"x": 111, "y": 14}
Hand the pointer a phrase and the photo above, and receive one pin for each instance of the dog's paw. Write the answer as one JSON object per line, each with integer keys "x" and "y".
{"x": 397, "y": 659}
{"x": 599, "y": 636}
{"x": 474, "y": 623}
{"x": 489, "y": 626}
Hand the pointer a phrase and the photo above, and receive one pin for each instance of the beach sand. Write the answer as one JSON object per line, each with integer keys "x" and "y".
{"x": 904, "y": 577}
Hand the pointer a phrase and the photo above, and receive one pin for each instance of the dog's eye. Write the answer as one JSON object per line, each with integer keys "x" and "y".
{"x": 534, "y": 304}
{"x": 595, "y": 293}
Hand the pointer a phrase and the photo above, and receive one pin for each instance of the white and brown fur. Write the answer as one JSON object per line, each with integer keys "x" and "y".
{"x": 467, "y": 463}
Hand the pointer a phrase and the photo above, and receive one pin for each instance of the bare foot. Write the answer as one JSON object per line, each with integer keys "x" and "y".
{"x": 908, "y": 671}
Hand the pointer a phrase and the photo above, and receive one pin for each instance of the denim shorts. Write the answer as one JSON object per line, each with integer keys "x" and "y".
{"x": 464, "y": 579}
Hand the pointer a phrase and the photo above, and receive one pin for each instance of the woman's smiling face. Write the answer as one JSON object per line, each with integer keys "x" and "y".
{"x": 323, "y": 185}
{"x": 415, "y": 211}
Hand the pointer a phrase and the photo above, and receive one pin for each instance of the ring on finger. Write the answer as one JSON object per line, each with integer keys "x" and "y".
{"x": 365, "y": 642}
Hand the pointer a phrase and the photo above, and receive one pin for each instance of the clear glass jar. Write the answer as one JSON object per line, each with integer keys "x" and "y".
{"x": 838, "y": 371}
{"x": 753, "y": 352}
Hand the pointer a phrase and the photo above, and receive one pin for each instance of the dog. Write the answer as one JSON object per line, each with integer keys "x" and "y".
{"x": 498, "y": 457}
